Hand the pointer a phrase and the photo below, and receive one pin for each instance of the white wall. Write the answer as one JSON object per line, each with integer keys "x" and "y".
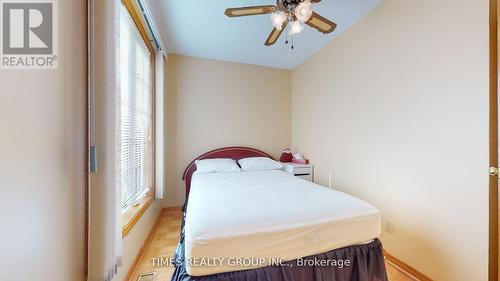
{"x": 212, "y": 104}
{"x": 42, "y": 161}
{"x": 397, "y": 109}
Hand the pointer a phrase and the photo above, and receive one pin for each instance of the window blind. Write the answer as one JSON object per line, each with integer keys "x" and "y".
{"x": 136, "y": 81}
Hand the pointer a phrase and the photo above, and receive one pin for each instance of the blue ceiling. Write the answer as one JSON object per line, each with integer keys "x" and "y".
{"x": 199, "y": 28}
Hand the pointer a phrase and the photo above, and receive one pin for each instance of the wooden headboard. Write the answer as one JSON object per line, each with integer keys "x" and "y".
{"x": 234, "y": 152}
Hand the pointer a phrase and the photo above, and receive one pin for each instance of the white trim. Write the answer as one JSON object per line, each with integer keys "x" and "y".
{"x": 159, "y": 126}
{"x": 154, "y": 26}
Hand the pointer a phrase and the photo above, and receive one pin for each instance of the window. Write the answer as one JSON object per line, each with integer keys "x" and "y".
{"x": 136, "y": 116}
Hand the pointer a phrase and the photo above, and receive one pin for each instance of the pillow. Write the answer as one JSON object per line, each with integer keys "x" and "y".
{"x": 259, "y": 164}
{"x": 216, "y": 165}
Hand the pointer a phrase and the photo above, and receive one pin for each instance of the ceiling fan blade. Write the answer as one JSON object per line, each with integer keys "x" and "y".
{"x": 275, "y": 34}
{"x": 321, "y": 24}
{"x": 250, "y": 11}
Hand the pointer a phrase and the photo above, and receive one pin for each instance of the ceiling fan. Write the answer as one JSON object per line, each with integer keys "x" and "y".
{"x": 295, "y": 13}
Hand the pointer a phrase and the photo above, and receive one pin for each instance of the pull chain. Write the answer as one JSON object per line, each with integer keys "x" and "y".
{"x": 286, "y": 30}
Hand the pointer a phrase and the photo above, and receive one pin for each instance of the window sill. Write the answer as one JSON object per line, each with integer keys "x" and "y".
{"x": 134, "y": 213}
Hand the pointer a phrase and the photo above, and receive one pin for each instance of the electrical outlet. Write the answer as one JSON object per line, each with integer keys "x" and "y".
{"x": 389, "y": 225}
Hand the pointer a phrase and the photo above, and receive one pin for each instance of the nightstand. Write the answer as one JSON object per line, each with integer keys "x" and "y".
{"x": 303, "y": 171}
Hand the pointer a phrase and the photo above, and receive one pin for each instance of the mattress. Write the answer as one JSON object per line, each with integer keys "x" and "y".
{"x": 238, "y": 221}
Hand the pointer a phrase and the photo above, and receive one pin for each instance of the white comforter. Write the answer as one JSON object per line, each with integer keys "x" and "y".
{"x": 268, "y": 215}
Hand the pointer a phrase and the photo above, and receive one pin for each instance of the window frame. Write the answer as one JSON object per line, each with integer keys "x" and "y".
{"x": 134, "y": 213}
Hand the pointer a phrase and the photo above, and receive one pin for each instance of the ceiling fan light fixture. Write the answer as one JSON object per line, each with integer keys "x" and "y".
{"x": 296, "y": 27}
{"x": 304, "y": 11}
{"x": 278, "y": 18}
{"x": 285, "y": 13}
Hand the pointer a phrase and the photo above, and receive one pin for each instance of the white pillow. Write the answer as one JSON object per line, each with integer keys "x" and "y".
{"x": 259, "y": 164}
{"x": 216, "y": 165}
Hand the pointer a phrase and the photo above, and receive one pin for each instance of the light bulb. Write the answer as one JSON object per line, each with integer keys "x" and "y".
{"x": 278, "y": 19}
{"x": 304, "y": 11}
{"x": 296, "y": 27}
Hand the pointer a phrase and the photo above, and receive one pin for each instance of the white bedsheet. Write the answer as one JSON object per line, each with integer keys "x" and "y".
{"x": 267, "y": 215}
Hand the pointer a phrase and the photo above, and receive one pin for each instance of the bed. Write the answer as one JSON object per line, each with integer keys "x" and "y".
{"x": 269, "y": 225}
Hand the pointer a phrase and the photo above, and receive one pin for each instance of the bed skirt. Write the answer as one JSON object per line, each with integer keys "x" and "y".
{"x": 359, "y": 263}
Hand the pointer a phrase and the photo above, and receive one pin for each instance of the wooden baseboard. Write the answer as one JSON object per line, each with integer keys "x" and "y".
{"x": 133, "y": 268}
{"x": 408, "y": 270}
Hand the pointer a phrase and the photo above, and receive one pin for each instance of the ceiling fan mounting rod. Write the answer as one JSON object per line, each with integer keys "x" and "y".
{"x": 288, "y": 4}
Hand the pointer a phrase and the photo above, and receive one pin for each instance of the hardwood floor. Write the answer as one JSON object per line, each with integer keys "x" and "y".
{"x": 165, "y": 241}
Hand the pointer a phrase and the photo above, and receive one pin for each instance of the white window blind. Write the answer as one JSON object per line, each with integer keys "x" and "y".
{"x": 136, "y": 80}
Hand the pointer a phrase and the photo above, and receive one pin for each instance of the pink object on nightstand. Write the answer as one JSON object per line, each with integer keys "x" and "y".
{"x": 286, "y": 156}
{"x": 300, "y": 161}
